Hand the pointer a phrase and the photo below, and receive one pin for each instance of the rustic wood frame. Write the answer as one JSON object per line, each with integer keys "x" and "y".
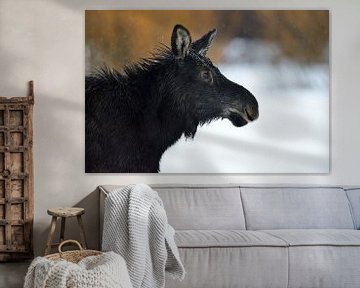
{"x": 16, "y": 177}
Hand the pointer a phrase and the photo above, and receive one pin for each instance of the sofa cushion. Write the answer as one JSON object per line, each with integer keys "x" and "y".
{"x": 324, "y": 266}
{"x": 220, "y": 267}
{"x": 354, "y": 198}
{"x": 315, "y": 237}
{"x": 296, "y": 208}
{"x": 199, "y": 207}
{"x": 226, "y": 238}
{"x": 203, "y": 208}
{"x": 322, "y": 258}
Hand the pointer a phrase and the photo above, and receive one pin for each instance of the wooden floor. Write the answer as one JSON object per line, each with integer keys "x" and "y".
{"x": 12, "y": 274}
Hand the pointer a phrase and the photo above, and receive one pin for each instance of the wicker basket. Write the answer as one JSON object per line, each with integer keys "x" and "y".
{"x": 72, "y": 256}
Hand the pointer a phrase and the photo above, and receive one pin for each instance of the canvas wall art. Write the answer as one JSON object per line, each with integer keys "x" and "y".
{"x": 207, "y": 91}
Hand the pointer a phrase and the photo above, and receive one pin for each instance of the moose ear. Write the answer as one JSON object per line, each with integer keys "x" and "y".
{"x": 202, "y": 45}
{"x": 180, "y": 41}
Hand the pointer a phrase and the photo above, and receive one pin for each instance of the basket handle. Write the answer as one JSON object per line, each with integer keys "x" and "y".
{"x": 69, "y": 241}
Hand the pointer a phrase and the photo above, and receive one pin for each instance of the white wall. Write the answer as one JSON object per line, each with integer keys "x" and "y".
{"x": 43, "y": 40}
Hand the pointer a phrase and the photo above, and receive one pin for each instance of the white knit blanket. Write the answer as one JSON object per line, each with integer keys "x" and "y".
{"x": 103, "y": 271}
{"x": 136, "y": 227}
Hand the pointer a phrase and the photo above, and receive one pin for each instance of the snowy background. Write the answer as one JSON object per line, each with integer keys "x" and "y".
{"x": 292, "y": 132}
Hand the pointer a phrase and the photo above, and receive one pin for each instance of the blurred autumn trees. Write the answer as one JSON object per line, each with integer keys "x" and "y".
{"x": 117, "y": 37}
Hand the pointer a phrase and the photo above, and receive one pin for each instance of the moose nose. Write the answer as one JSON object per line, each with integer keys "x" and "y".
{"x": 251, "y": 112}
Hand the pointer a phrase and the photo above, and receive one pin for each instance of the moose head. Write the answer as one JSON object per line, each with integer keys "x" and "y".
{"x": 208, "y": 94}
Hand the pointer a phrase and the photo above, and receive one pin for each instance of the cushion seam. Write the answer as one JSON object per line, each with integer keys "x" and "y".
{"x": 278, "y": 237}
{"x": 288, "y": 266}
{"x": 232, "y": 246}
{"x": 351, "y": 211}
{"x": 322, "y": 245}
{"x": 243, "y": 209}
{"x": 294, "y": 187}
{"x": 310, "y": 245}
{"x": 272, "y": 246}
{"x": 349, "y": 189}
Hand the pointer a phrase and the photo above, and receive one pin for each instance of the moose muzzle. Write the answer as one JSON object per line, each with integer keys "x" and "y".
{"x": 242, "y": 116}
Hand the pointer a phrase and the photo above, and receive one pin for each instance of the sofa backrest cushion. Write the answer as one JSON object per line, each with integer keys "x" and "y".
{"x": 296, "y": 208}
{"x": 203, "y": 208}
{"x": 354, "y": 198}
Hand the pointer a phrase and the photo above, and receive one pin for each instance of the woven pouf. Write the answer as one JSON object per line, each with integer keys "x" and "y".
{"x": 82, "y": 268}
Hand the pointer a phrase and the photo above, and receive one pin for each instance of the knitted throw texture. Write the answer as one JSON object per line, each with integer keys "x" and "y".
{"x": 136, "y": 227}
{"x": 102, "y": 271}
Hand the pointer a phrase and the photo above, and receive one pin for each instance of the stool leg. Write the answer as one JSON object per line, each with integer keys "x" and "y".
{"x": 82, "y": 232}
{"x": 62, "y": 231}
{"x": 51, "y": 235}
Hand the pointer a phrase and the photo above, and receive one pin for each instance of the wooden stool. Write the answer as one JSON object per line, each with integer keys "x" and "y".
{"x": 64, "y": 213}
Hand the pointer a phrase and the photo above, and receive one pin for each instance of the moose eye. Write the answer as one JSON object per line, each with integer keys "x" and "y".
{"x": 206, "y": 75}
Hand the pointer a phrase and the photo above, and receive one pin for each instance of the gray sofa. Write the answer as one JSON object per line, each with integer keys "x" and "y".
{"x": 249, "y": 236}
